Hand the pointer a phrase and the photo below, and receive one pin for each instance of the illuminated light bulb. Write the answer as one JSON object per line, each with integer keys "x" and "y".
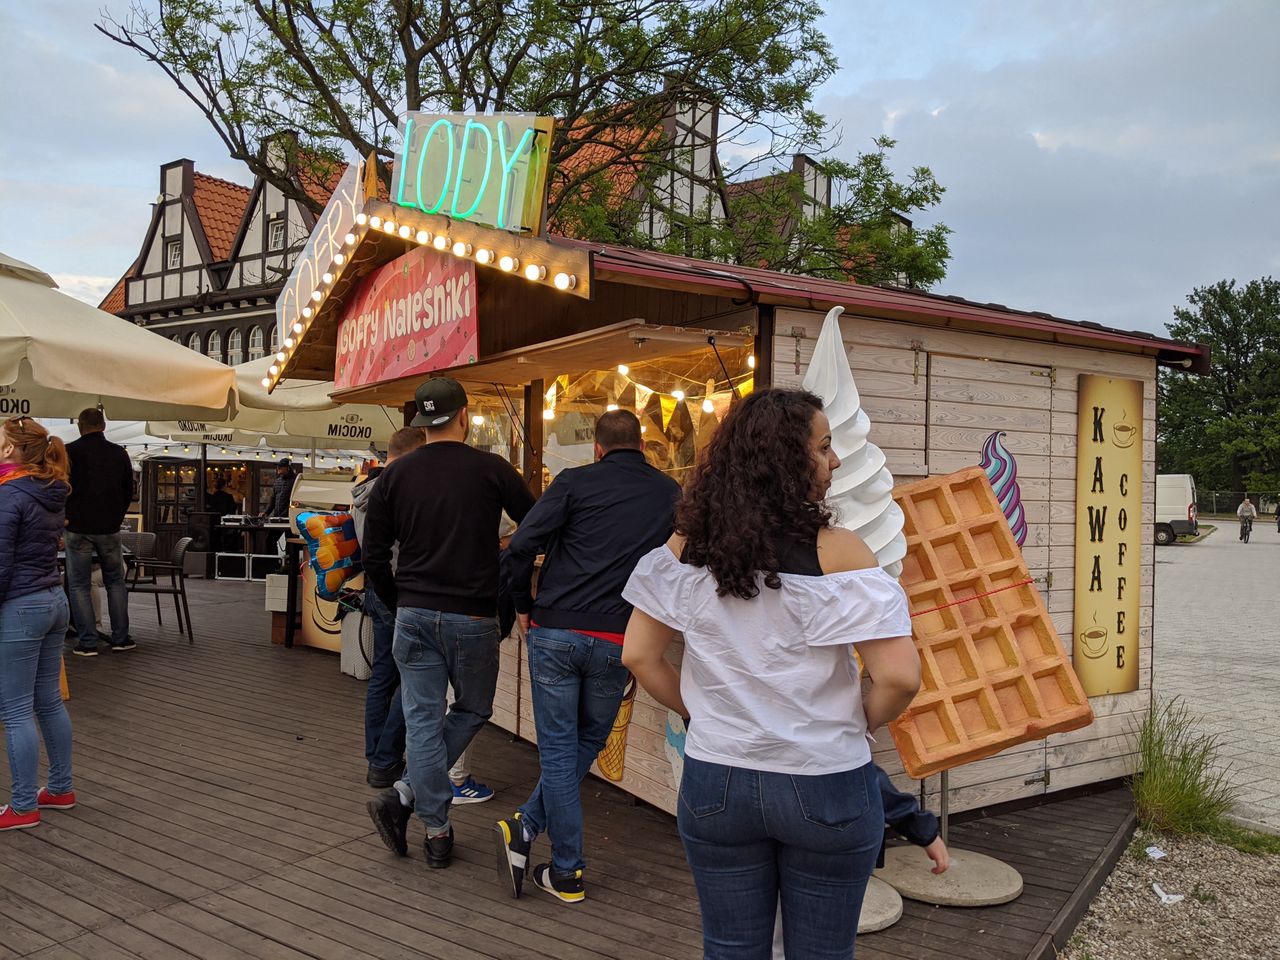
{"x": 441, "y": 242}
{"x": 266, "y": 381}
{"x": 186, "y": 449}
{"x": 461, "y": 249}
{"x": 623, "y": 369}
{"x": 565, "y": 281}
{"x": 339, "y": 259}
{"x": 484, "y": 256}
{"x": 535, "y": 271}
{"x": 508, "y": 263}
{"x": 297, "y": 327}
{"x": 317, "y": 296}
{"x": 423, "y": 236}
{"x": 273, "y": 370}
{"x": 611, "y": 407}
{"x": 281, "y": 357}
{"x": 350, "y": 238}
{"x": 361, "y": 219}
{"x": 478, "y": 420}
{"x": 708, "y": 406}
{"x": 166, "y": 450}
{"x": 388, "y": 226}
{"x": 678, "y": 394}
{"x": 288, "y": 343}
{"x": 643, "y": 428}
{"x": 326, "y": 277}
{"x": 751, "y": 361}
{"x": 375, "y": 222}
{"x": 548, "y": 414}
{"x": 306, "y": 312}
{"x": 405, "y": 230}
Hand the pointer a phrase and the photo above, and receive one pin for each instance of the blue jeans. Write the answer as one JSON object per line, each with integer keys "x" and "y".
{"x": 383, "y": 714}
{"x": 436, "y": 650}
{"x": 578, "y": 683}
{"x": 752, "y": 838}
{"x": 32, "y": 629}
{"x": 81, "y": 548}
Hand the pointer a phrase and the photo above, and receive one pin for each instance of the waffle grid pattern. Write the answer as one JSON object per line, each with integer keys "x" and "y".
{"x": 994, "y": 673}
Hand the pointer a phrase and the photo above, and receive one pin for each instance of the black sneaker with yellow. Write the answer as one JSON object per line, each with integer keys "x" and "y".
{"x": 513, "y": 853}
{"x": 567, "y": 887}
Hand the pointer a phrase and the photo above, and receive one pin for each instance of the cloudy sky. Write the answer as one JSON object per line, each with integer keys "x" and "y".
{"x": 1100, "y": 158}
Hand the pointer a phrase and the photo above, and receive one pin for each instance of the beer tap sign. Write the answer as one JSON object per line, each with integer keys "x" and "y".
{"x": 1108, "y": 534}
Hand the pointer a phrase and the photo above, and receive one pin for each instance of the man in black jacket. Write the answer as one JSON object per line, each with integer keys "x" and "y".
{"x": 440, "y": 505}
{"x": 101, "y": 491}
{"x": 594, "y": 524}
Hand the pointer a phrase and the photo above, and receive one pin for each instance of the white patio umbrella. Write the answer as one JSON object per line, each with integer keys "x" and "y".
{"x": 59, "y": 356}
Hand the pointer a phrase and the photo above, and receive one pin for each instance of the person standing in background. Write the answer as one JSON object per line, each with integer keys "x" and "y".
{"x": 280, "y": 490}
{"x": 101, "y": 491}
{"x": 33, "y": 620}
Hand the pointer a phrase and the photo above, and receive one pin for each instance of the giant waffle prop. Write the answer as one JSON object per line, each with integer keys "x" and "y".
{"x": 994, "y": 673}
{"x": 613, "y": 755}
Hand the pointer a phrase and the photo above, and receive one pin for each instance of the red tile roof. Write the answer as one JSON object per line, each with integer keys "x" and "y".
{"x": 220, "y": 205}
{"x": 113, "y": 302}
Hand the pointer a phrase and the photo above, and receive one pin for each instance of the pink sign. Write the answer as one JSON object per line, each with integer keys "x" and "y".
{"x": 414, "y": 315}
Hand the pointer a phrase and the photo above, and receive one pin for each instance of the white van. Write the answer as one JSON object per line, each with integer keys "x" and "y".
{"x": 1175, "y": 507}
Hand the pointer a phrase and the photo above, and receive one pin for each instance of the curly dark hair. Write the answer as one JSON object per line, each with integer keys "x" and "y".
{"x": 750, "y": 491}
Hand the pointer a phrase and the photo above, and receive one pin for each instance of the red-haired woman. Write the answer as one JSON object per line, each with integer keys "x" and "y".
{"x": 33, "y": 619}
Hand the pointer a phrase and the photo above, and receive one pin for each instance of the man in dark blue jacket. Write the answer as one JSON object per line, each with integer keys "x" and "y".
{"x": 593, "y": 524}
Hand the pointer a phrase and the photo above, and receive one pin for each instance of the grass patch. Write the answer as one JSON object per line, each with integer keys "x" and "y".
{"x": 1180, "y": 791}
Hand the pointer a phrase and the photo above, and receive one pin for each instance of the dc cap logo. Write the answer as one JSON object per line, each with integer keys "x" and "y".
{"x": 428, "y": 405}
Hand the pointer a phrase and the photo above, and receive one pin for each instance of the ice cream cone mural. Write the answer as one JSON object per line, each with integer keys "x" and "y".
{"x": 861, "y": 494}
{"x": 612, "y": 758}
{"x": 1002, "y": 471}
{"x": 673, "y": 746}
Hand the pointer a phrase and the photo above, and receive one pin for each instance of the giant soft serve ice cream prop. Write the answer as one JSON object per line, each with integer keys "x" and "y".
{"x": 861, "y": 494}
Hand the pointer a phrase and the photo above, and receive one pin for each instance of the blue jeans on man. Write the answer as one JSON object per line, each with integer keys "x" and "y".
{"x": 435, "y": 650}
{"x": 383, "y": 713}
{"x": 577, "y": 684}
{"x": 82, "y": 550}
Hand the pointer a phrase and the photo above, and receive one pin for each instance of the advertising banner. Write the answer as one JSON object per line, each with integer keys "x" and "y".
{"x": 1108, "y": 578}
{"x": 412, "y": 316}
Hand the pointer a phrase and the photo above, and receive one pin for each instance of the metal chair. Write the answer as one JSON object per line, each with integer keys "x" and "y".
{"x": 176, "y": 587}
{"x": 141, "y": 554}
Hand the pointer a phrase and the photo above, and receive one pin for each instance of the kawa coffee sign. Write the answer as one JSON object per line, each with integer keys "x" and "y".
{"x": 412, "y": 316}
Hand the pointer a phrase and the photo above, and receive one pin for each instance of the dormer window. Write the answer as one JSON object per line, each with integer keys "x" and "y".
{"x": 173, "y": 254}
{"x": 275, "y": 235}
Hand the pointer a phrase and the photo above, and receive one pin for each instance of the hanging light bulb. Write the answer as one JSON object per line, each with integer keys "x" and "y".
{"x": 623, "y": 369}
{"x": 751, "y": 360}
{"x": 186, "y": 449}
{"x": 708, "y": 406}
{"x": 678, "y": 394}
{"x": 548, "y": 414}
{"x": 508, "y": 263}
{"x": 610, "y": 407}
{"x": 478, "y": 420}
{"x": 166, "y": 450}
{"x": 643, "y": 428}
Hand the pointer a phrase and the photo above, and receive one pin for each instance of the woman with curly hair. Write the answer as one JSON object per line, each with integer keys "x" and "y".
{"x": 779, "y": 796}
{"x": 33, "y": 619}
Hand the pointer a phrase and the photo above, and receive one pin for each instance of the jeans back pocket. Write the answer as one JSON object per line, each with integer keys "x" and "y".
{"x": 704, "y": 787}
{"x": 833, "y": 800}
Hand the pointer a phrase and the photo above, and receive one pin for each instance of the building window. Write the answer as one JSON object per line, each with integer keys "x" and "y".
{"x": 235, "y": 352}
{"x": 275, "y": 235}
{"x": 275, "y": 338}
{"x": 256, "y": 349}
{"x": 173, "y": 254}
{"x": 193, "y": 342}
{"x": 214, "y": 348}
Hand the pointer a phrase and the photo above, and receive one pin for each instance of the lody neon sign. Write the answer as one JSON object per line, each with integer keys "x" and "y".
{"x": 485, "y": 169}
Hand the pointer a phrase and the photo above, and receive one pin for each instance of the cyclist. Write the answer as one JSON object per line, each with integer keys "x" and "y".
{"x": 1247, "y": 513}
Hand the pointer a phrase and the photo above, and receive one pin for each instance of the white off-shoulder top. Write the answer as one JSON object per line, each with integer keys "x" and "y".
{"x": 769, "y": 682}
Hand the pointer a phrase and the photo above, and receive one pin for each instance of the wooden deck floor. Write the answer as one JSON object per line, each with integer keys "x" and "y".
{"x": 221, "y": 816}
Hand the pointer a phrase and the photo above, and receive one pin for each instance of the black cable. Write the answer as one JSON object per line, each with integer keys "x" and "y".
{"x": 711, "y": 341}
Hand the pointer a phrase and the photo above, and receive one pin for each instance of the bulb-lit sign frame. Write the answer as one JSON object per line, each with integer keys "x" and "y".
{"x": 490, "y": 170}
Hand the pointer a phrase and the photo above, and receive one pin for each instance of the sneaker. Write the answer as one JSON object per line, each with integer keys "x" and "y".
{"x": 513, "y": 853}
{"x": 125, "y": 644}
{"x": 471, "y": 792}
{"x": 391, "y": 817}
{"x": 567, "y": 888}
{"x": 383, "y": 777}
{"x": 439, "y": 850}
{"x": 55, "y": 801}
{"x": 11, "y": 819}
{"x": 83, "y": 650}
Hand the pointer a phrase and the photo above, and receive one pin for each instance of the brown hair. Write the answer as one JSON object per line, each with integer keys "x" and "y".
{"x": 90, "y": 420}
{"x": 39, "y": 455}
{"x": 618, "y": 430}
{"x": 405, "y": 440}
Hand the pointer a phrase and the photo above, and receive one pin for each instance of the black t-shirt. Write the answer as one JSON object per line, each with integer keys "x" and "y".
{"x": 441, "y": 504}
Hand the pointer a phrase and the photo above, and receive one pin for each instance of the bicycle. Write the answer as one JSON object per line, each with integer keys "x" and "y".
{"x": 1246, "y": 527}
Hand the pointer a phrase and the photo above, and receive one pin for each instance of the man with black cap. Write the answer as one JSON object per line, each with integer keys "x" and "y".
{"x": 440, "y": 506}
{"x": 279, "y": 506}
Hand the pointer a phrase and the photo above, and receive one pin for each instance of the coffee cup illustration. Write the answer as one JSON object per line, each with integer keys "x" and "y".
{"x": 1093, "y": 642}
{"x": 1124, "y": 434}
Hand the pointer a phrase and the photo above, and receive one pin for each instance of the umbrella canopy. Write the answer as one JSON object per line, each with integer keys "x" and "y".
{"x": 295, "y": 412}
{"x": 59, "y": 356}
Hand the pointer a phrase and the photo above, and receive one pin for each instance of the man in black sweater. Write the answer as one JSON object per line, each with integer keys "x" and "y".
{"x": 594, "y": 524}
{"x": 440, "y": 506}
{"x": 101, "y": 491}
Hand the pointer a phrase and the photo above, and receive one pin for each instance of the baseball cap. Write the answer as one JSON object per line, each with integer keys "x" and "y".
{"x": 438, "y": 401}
{"x": 285, "y": 462}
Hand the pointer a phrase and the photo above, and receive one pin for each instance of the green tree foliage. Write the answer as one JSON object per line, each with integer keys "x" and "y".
{"x": 1224, "y": 427}
{"x": 335, "y": 77}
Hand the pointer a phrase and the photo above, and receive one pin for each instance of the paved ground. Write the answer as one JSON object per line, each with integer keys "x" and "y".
{"x": 1218, "y": 646}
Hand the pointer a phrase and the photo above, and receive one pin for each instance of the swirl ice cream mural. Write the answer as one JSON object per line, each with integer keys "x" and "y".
{"x": 1002, "y": 471}
{"x": 861, "y": 495}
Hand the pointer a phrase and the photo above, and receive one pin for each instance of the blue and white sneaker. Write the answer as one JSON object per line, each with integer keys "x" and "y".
{"x": 471, "y": 792}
